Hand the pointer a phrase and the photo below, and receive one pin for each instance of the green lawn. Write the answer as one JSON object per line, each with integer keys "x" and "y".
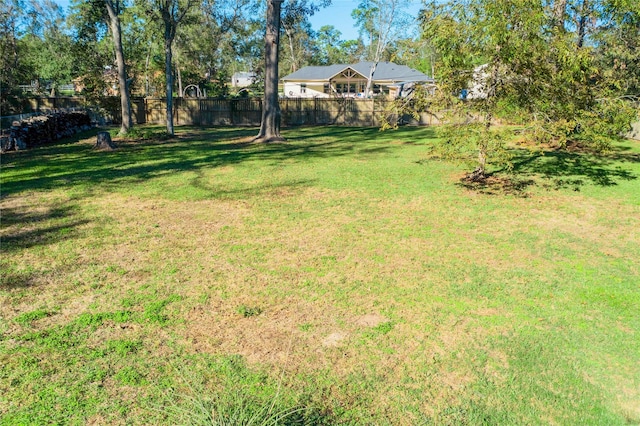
{"x": 344, "y": 277}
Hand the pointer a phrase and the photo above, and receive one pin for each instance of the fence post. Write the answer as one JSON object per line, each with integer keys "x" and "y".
{"x": 373, "y": 112}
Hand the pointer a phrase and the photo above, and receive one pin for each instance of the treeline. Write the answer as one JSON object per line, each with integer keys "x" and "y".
{"x": 48, "y": 48}
{"x": 564, "y": 69}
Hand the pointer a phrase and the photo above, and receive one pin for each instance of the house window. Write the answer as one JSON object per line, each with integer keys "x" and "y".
{"x": 326, "y": 88}
{"x": 303, "y": 88}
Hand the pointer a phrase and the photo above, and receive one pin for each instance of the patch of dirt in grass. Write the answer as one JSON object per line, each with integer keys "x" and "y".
{"x": 629, "y": 402}
{"x": 112, "y": 331}
{"x": 498, "y": 185}
{"x": 588, "y": 221}
{"x": 272, "y": 337}
{"x": 371, "y": 320}
{"x": 335, "y": 339}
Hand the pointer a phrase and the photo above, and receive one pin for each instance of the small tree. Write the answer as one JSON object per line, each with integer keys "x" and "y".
{"x": 171, "y": 13}
{"x": 516, "y": 53}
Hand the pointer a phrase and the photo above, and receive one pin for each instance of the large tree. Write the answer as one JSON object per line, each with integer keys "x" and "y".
{"x": 271, "y": 115}
{"x": 88, "y": 16}
{"x": 333, "y": 50}
{"x": 300, "y": 42}
{"x": 210, "y": 61}
{"x": 44, "y": 45}
{"x": 114, "y": 8}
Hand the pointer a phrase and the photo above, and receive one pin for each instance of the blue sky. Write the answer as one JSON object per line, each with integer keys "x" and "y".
{"x": 339, "y": 15}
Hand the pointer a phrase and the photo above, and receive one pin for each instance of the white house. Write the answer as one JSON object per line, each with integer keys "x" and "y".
{"x": 242, "y": 79}
{"x": 350, "y": 80}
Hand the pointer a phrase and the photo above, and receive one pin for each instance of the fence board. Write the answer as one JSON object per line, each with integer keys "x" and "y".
{"x": 236, "y": 112}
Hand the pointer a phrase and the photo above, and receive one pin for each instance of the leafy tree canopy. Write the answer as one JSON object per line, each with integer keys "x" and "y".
{"x": 563, "y": 71}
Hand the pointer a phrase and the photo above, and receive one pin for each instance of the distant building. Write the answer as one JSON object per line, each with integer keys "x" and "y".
{"x": 350, "y": 80}
{"x": 478, "y": 86}
{"x": 243, "y": 79}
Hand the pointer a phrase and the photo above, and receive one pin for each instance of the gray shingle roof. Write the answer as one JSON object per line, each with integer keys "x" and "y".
{"x": 386, "y": 71}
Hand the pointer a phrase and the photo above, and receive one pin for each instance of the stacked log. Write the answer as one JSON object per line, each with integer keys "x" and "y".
{"x": 43, "y": 129}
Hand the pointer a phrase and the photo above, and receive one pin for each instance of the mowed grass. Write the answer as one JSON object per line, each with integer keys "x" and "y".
{"x": 343, "y": 277}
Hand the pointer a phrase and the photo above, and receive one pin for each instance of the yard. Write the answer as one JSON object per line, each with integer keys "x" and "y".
{"x": 343, "y": 277}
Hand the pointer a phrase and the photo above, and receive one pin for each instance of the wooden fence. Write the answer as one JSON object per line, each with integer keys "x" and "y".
{"x": 295, "y": 112}
{"x": 231, "y": 112}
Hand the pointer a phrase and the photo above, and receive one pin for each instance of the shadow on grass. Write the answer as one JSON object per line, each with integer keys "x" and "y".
{"x": 566, "y": 169}
{"x": 37, "y": 229}
{"x": 496, "y": 184}
{"x": 559, "y": 169}
{"x": 25, "y": 229}
{"x": 82, "y": 170}
{"x": 193, "y": 149}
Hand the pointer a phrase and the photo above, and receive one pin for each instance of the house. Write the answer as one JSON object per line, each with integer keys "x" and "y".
{"x": 350, "y": 80}
{"x": 243, "y": 79}
{"x": 478, "y": 85}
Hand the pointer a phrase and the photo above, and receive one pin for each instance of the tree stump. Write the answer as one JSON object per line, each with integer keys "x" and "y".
{"x": 104, "y": 141}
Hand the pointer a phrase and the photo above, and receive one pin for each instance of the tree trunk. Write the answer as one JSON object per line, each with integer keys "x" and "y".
{"x": 180, "y": 92}
{"x": 125, "y": 102}
{"x": 582, "y": 22}
{"x": 294, "y": 65}
{"x": 169, "y": 79}
{"x": 368, "y": 93}
{"x": 480, "y": 173}
{"x": 559, "y": 14}
{"x": 104, "y": 142}
{"x": 146, "y": 73}
{"x": 271, "y": 116}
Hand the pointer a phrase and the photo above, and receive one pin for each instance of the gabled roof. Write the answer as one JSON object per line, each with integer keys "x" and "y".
{"x": 316, "y": 72}
{"x": 385, "y": 71}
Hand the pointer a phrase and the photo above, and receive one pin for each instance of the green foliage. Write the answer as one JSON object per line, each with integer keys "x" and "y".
{"x": 154, "y": 311}
{"x": 249, "y": 311}
{"x": 145, "y": 133}
{"x": 519, "y": 64}
{"x": 246, "y": 397}
{"x": 333, "y": 50}
{"x": 465, "y": 142}
{"x": 27, "y": 318}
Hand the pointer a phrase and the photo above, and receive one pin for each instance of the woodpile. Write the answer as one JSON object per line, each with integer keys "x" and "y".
{"x": 43, "y": 129}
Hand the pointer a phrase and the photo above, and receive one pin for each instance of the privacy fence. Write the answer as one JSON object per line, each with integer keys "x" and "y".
{"x": 228, "y": 112}
{"x": 231, "y": 112}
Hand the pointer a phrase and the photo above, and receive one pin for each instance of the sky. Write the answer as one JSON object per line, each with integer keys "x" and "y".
{"x": 339, "y": 15}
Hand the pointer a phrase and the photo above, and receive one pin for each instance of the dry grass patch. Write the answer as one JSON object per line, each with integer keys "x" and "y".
{"x": 331, "y": 272}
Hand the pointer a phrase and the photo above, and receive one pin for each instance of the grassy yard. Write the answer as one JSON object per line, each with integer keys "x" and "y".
{"x": 343, "y": 277}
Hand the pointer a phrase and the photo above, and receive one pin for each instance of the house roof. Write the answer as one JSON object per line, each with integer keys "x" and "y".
{"x": 385, "y": 71}
{"x": 243, "y": 74}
